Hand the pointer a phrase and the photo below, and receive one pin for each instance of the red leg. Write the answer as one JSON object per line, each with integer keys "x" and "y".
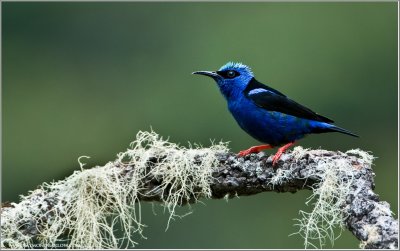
{"x": 254, "y": 149}
{"x": 279, "y": 153}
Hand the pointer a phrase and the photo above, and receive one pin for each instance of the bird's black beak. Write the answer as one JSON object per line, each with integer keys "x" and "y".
{"x": 212, "y": 74}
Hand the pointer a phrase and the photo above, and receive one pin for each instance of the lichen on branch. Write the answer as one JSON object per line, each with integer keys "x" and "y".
{"x": 86, "y": 208}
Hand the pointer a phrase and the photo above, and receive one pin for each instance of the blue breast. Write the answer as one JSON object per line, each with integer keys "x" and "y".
{"x": 269, "y": 127}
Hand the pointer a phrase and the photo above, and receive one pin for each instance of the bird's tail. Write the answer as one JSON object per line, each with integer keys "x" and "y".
{"x": 341, "y": 130}
{"x": 325, "y": 127}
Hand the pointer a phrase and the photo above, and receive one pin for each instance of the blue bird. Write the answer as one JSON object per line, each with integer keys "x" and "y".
{"x": 265, "y": 113}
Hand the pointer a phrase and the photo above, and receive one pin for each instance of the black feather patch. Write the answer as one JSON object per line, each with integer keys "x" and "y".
{"x": 273, "y": 100}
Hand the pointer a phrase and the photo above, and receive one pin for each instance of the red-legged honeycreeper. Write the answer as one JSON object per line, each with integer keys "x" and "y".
{"x": 265, "y": 113}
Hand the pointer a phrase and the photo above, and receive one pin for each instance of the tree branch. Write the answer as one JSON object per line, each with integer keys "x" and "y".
{"x": 342, "y": 185}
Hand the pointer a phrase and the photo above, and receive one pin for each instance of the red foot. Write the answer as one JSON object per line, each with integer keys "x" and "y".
{"x": 279, "y": 153}
{"x": 254, "y": 149}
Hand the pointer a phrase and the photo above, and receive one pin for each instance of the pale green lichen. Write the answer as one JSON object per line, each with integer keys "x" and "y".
{"x": 93, "y": 203}
{"x": 336, "y": 177}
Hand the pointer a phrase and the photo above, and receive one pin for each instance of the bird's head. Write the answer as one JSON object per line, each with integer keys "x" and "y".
{"x": 232, "y": 78}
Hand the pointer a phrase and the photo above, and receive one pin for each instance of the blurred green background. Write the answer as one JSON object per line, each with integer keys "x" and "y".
{"x": 83, "y": 78}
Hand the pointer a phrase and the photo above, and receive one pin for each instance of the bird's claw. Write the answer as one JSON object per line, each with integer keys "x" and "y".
{"x": 276, "y": 158}
{"x": 254, "y": 149}
{"x": 245, "y": 152}
{"x": 279, "y": 153}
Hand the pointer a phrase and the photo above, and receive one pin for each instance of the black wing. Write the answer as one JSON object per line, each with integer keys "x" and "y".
{"x": 273, "y": 100}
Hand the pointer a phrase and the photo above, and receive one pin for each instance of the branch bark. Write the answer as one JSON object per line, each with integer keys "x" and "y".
{"x": 370, "y": 220}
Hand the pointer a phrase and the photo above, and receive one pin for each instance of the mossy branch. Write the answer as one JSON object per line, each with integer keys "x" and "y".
{"x": 81, "y": 206}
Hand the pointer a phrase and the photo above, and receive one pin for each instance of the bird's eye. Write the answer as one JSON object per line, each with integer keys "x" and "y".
{"x": 231, "y": 74}
{"x": 228, "y": 74}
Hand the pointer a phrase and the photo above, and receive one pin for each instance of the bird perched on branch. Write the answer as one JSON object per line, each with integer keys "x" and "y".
{"x": 265, "y": 113}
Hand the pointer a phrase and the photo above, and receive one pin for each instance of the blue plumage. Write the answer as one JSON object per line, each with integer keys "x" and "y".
{"x": 265, "y": 113}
